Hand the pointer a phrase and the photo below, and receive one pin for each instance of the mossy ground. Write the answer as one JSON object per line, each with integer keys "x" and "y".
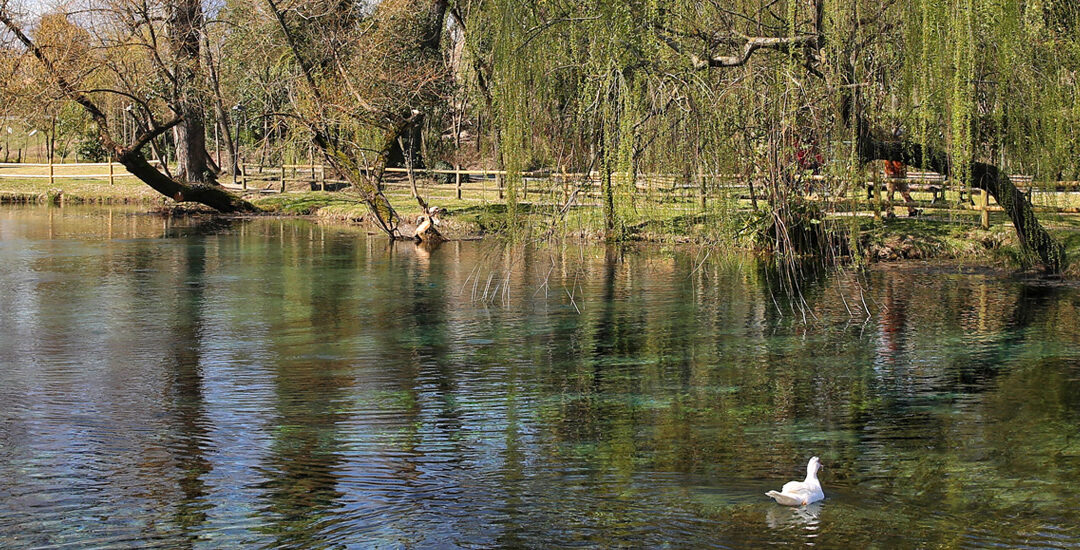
{"x": 939, "y": 238}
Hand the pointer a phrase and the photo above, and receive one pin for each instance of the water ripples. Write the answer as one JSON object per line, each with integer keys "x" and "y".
{"x": 205, "y": 392}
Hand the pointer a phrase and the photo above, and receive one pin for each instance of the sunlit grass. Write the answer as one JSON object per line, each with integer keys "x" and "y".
{"x": 935, "y": 234}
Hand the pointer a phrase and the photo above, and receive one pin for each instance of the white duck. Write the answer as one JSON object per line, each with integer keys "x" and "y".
{"x": 801, "y": 493}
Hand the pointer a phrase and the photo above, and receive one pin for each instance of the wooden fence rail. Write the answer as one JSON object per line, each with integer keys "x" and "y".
{"x": 52, "y": 176}
{"x": 556, "y": 188}
{"x": 676, "y": 190}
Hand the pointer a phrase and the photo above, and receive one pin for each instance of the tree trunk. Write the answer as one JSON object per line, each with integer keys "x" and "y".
{"x": 142, "y": 127}
{"x": 406, "y": 151}
{"x": 1034, "y": 240}
{"x": 210, "y": 164}
{"x": 366, "y": 181}
{"x": 185, "y": 26}
{"x": 209, "y": 194}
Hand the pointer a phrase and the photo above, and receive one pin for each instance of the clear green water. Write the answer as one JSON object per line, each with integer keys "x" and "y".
{"x": 278, "y": 383}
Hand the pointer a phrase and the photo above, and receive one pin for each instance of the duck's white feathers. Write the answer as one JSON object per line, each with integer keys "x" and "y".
{"x": 786, "y": 499}
{"x": 799, "y": 493}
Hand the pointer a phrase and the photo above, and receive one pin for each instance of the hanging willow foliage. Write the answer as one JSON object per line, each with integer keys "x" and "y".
{"x": 689, "y": 88}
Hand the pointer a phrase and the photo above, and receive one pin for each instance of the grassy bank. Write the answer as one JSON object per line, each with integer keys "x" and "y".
{"x": 123, "y": 190}
{"x": 927, "y": 237}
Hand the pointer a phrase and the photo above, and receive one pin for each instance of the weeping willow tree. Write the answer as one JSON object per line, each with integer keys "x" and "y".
{"x": 972, "y": 89}
{"x": 585, "y": 87}
{"x": 987, "y": 87}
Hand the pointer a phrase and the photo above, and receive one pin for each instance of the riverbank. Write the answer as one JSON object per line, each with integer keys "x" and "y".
{"x": 928, "y": 237}
{"x": 79, "y": 191}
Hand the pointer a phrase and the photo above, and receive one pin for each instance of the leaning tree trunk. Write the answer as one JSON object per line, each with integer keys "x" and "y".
{"x": 366, "y": 180}
{"x": 209, "y": 194}
{"x": 1034, "y": 239}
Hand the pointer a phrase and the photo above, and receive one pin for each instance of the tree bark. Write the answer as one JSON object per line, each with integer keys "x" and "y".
{"x": 185, "y": 27}
{"x": 228, "y": 165}
{"x": 367, "y": 184}
{"x": 209, "y": 194}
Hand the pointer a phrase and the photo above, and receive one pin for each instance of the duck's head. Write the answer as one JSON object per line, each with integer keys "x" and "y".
{"x": 813, "y": 466}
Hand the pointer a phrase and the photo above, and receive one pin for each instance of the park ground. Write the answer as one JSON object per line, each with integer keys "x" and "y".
{"x": 930, "y": 236}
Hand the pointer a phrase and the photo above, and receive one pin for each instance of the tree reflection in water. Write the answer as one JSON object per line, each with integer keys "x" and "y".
{"x": 279, "y": 383}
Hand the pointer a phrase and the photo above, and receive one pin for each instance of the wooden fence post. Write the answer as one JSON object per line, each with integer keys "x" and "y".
{"x": 282, "y": 176}
{"x": 110, "y": 172}
{"x": 499, "y": 184}
{"x": 984, "y": 206}
{"x": 457, "y": 180}
{"x": 240, "y": 168}
{"x": 52, "y": 179}
{"x": 701, "y": 178}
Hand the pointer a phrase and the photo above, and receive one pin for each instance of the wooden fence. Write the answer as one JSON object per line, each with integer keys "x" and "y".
{"x": 114, "y": 170}
{"x": 678, "y": 191}
{"x": 689, "y": 192}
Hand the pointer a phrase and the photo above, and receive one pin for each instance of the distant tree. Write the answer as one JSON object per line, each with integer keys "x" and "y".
{"x": 121, "y": 70}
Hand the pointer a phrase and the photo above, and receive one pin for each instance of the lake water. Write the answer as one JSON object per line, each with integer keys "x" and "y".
{"x": 179, "y": 383}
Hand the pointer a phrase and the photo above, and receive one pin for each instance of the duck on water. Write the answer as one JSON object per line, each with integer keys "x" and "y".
{"x": 801, "y": 493}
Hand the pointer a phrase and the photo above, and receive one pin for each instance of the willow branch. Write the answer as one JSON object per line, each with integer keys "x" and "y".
{"x": 751, "y": 44}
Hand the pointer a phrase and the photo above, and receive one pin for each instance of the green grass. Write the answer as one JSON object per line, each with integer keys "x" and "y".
{"x": 937, "y": 238}
{"x": 936, "y": 235}
{"x": 931, "y": 236}
{"x": 124, "y": 191}
{"x": 925, "y": 238}
{"x": 306, "y": 204}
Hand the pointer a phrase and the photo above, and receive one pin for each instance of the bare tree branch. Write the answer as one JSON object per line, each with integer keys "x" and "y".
{"x": 750, "y": 44}
{"x": 150, "y": 135}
